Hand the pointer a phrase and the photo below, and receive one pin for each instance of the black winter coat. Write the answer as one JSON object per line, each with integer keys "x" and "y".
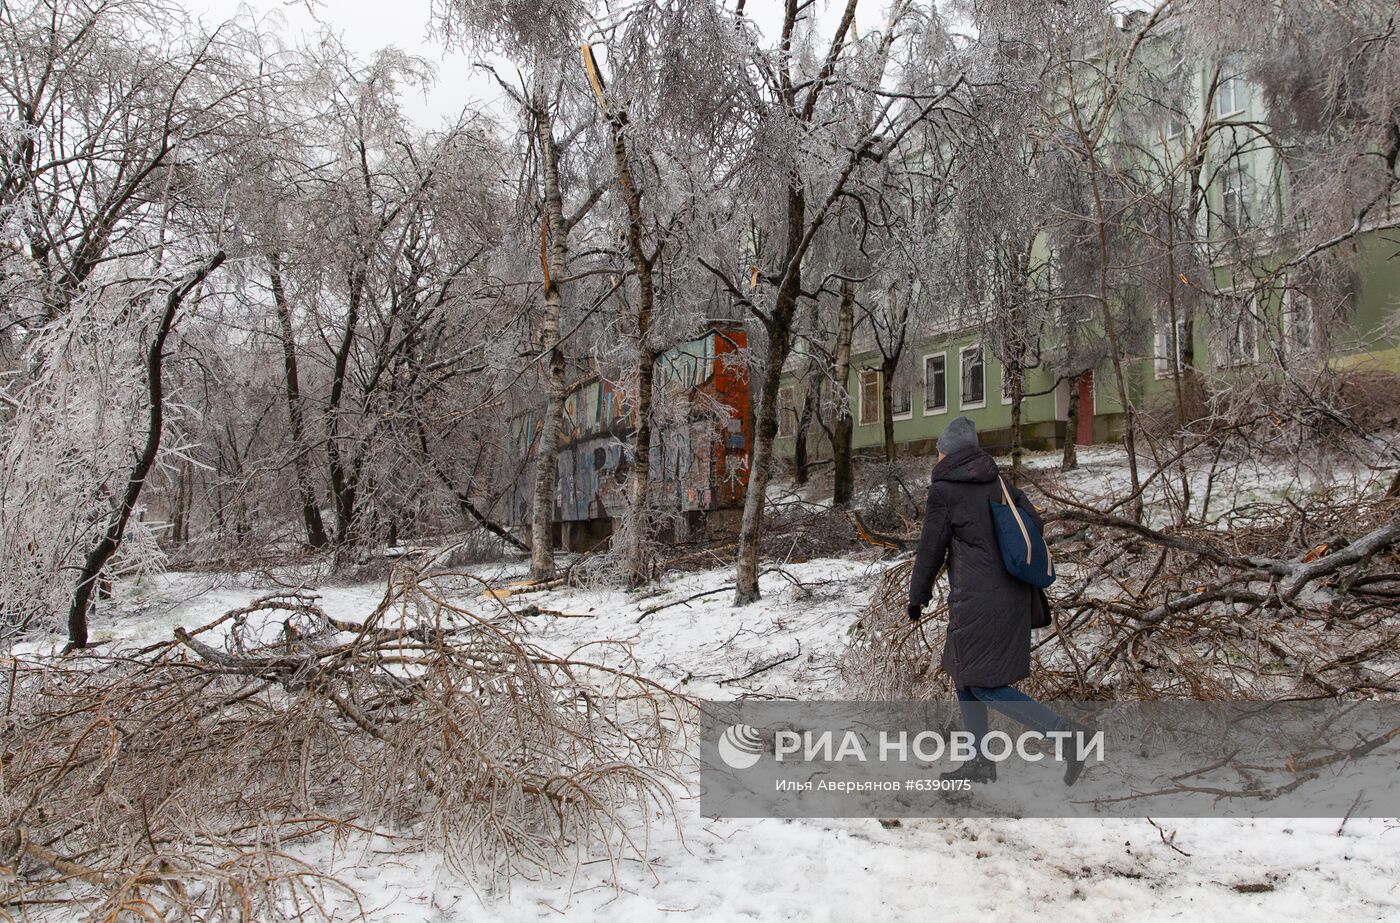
{"x": 989, "y": 611}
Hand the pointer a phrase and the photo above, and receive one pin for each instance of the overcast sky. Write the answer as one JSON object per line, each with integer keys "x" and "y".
{"x": 365, "y": 26}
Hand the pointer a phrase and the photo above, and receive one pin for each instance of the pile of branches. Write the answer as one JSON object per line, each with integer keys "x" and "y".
{"x": 197, "y": 778}
{"x": 1290, "y": 600}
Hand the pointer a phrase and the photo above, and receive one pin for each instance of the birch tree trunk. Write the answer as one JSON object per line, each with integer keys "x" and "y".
{"x": 779, "y": 325}
{"x": 553, "y": 259}
{"x": 637, "y": 571}
{"x": 798, "y": 239}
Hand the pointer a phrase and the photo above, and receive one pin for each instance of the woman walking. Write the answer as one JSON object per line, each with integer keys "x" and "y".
{"x": 988, "y": 646}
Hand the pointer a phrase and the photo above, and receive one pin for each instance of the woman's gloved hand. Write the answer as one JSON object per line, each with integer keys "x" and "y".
{"x": 914, "y": 612}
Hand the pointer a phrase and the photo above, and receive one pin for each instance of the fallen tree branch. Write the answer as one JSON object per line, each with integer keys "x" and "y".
{"x": 764, "y": 668}
{"x": 446, "y": 723}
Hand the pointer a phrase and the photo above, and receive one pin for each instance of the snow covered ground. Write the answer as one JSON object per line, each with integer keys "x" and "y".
{"x": 828, "y": 870}
{"x": 837, "y": 869}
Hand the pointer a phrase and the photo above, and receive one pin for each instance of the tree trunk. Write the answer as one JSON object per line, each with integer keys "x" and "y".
{"x": 101, "y": 553}
{"x": 1070, "y": 460}
{"x": 180, "y": 516}
{"x": 553, "y": 260}
{"x": 1115, "y": 350}
{"x": 801, "y": 465}
{"x": 1176, "y": 366}
{"x": 1017, "y": 375}
{"x": 637, "y": 570}
{"x": 779, "y": 327}
{"x": 761, "y": 458}
{"x": 301, "y": 461}
{"x": 778, "y": 324}
{"x": 811, "y": 394}
{"x": 843, "y": 426}
{"x": 343, "y": 480}
{"x": 887, "y": 370}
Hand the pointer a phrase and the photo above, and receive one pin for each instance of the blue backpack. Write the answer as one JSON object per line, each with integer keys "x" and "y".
{"x": 1023, "y": 548}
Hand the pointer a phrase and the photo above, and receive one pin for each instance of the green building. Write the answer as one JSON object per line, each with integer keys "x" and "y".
{"x": 1251, "y": 328}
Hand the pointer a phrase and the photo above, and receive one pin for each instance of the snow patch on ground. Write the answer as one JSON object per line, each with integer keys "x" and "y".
{"x": 822, "y": 870}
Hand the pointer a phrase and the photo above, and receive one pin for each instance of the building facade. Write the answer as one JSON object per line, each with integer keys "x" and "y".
{"x": 1260, "y": 318}
{"x": 699, "y": 460}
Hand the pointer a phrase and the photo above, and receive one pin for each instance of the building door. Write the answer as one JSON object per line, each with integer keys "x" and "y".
{"x": 1085, "y": 436}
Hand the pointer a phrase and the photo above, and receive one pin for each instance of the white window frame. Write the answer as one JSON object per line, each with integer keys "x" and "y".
{"x": 1164, "y": 360}
{"x": 1006, "y": 384}
{"x": 1240, "y": 189}
{"x": 894, "y": 402}
{"x": 1224, "y": 360}
{"x": 1235, "y": 82}
{"x": 1173, "y": 128}
{"x": 935, "y": 411}
{"x": 963, "y": 403}
{"x": 860, "y": 397}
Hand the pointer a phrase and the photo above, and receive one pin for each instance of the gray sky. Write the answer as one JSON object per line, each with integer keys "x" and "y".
{"x": 365, "y": 26}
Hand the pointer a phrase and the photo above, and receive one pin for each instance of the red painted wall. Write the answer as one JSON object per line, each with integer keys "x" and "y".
{"x": 730, "y": 387}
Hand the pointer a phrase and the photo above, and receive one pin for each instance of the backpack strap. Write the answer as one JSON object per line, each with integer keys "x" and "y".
{"x": 1025, "y": 535}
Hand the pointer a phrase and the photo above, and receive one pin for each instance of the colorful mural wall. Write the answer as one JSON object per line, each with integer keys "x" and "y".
{"x": 698, "y": 462}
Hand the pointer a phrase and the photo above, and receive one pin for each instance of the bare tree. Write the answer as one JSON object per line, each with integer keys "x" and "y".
{"x": 1081, "y": 120}
{"x": 804, "y": 179}
{"x": 843, "y": 486}
{"x": 114, "y": 106}
{"x": 110, "y": 542}
{"x": 541, "y": 38}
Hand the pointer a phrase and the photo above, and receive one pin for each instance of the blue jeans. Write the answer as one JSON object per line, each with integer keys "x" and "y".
{"x": 1010, "y": 701}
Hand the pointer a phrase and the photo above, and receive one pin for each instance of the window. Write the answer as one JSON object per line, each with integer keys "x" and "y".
{"x": 1234, "y": 197}
{"x": 1299, "y": 322}
{"x": 787, "y": 413}
{"x": 869, "y": 394}
{"x": 1006, "y": 382}
{"x": 1239, "y": 333}
{"x": 1230, "y": 94}
{"x": 936, "y": 383}
{"x": 1173, "y": 127}
{"x": 1170, "y": 346}
{"x": 903, "y": 403}
{"x": 974, "y": 377}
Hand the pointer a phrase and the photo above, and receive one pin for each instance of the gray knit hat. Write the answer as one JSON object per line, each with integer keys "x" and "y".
{"x": 959, "y": 434}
